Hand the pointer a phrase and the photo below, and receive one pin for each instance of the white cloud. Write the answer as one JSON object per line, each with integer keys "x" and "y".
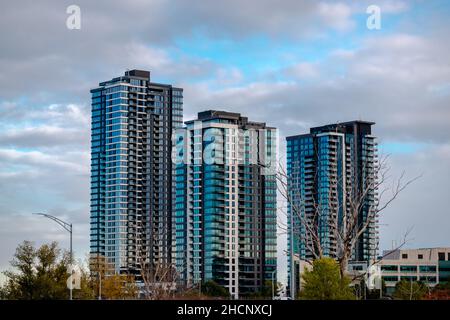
{"x": 386, "y": 6}
{"x": 41, "y": 136}
{"x": 228, "y": 76}
{"x": 400, "y": 80}
{"x": 336, "y": 15}
{"x": 393, "y": 6}
{"x": 303, "y": 71}
{"x": 424, "y": 204}
{"x": 40, "y": 159}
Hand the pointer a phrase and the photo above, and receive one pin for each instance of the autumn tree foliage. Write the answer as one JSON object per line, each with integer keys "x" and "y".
{"x": 119, "y": 287}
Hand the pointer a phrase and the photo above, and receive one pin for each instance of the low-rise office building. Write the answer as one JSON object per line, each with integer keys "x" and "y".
{"x": 428, "y": 265}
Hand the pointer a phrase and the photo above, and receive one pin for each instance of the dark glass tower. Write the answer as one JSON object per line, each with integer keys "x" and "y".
{"x": 225, "y": 216}
{"x": 131, "y": 171}
{"x": 325, "y": 168}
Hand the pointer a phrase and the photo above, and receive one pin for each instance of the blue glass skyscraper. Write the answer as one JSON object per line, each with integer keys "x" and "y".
{"x": 225, "y": 215}
{"x": 131, "y": 171}
{"x": 325, "y": 169}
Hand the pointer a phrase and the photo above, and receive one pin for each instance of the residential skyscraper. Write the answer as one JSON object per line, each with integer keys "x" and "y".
{"x": 131, "y": 171}
{"x": 225, "y": 216}
{"x": 325, "y": 169}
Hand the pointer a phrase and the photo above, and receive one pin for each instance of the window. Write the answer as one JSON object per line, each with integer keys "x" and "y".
{"x": 420, "y": 256}
{"x": 408, "y": 278}
{"x": 427, "y": 268}
{"x": 390, "y": 278}
{"x": 427, "y": 279}
{"x": 448, "y": 258}
{"x": 441, "y": 256}
{"x": 389, "y": 268}
{"x": 404, "y": 256}
{"x": 408, "y": 268}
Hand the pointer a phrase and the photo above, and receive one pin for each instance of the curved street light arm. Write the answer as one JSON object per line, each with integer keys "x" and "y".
{"x": 65, "y": 225}
{"x": 68, "y": 228}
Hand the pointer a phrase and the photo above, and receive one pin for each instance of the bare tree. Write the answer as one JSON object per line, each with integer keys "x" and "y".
{"x": 348, "y": 219}
{"x": 364, "y": 207}
{"x": 159, "y": 280}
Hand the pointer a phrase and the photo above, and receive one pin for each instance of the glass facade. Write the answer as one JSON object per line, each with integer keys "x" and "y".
{"x": 323, "y": 168}
{"x": 225, "y": 217}
{"x": 131, "y": 171}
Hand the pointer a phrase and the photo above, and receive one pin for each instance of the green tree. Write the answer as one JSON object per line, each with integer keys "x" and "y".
{"x": 212, "y": 289}
{"x": 21, "y": 285}
{"x": 324, "y": 282}
{"x": 410, "y": 290}
{"x": 41, "y": 274}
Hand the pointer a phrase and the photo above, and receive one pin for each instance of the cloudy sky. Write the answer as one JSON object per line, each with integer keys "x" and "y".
{"x": 293, "y": 64}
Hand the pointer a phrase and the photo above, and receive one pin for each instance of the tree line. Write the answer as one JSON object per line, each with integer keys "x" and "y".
{"x": 41, "y": 273}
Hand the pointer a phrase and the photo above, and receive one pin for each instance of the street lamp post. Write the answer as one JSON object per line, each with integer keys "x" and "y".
{"x": 273, "y": 289}
{"x": 291, "y": 253}
{"x": 68, "y": 228}
{"x": 99, "y": 286}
